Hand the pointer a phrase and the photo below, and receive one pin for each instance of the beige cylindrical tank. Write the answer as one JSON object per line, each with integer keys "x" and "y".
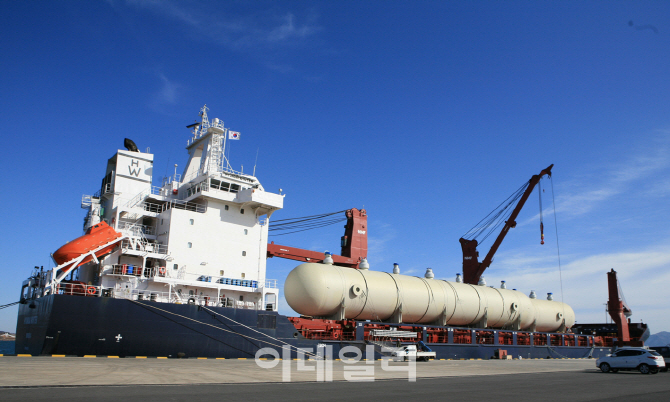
{"x": 323, "y": 290}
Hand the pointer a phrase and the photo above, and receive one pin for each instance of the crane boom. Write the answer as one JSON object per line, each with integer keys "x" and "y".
{"x": 472, "y": 268}
{"x": 354, "y": 244}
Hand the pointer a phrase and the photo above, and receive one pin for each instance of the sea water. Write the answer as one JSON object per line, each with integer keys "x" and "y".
{"x": 7, "y": 347}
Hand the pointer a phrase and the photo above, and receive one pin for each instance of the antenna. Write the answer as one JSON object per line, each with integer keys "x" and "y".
{"x": 256, "y": 162}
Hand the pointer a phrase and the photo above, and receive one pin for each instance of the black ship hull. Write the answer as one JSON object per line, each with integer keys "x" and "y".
{"x": 79, "y": 326}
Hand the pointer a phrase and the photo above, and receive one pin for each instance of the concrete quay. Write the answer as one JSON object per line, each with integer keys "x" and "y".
{"x": 43, "y": 371}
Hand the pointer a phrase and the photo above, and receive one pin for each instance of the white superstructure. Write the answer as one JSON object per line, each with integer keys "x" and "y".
{"x": 201, "y": 237}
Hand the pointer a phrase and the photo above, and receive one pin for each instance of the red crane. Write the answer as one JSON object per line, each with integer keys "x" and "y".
{"x": 354, "y": 244}
{"x": 619, "y": 311}
{"x": 472, "y": 268}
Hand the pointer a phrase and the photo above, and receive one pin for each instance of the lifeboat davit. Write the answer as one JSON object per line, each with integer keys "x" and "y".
{"x": 96, "y": 236}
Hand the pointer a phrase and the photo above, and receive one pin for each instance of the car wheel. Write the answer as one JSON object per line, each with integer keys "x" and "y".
{"x": 605, "y": 368}
{"x": 644, "y": 369}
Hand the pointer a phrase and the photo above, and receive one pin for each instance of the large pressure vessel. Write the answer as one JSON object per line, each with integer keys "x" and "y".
{"x": 323, "y": 290}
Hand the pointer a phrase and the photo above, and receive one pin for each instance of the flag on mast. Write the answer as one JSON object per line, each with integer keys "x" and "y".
{"x": 233, "y": 135}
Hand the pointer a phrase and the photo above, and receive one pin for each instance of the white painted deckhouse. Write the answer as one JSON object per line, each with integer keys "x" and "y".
{"x": 201, "y": 237}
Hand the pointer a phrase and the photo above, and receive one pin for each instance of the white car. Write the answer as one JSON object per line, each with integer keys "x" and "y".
{"x": 411, "y": 351}
{"x": 665, "y": 352}
{"x": 628, "y": 358}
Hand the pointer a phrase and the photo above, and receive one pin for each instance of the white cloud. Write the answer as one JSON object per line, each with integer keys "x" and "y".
{"x": 168, "y": 93}
{"x": 235, "y": 31}
{"x": 288, "y": 30}
{"x": 166, "y": 96}
{"x": 377, "y": 253}
{"x": 616, "y": 178}
{"x": 629, "y": 176}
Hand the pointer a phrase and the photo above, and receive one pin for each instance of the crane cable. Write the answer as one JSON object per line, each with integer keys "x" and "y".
{"x": 304, "y": 223}
{"x": 558, "y": 249}
{"x": 9, "y": 305}
{"x": 491, "y": 222}
{"x": 539, "y": 188}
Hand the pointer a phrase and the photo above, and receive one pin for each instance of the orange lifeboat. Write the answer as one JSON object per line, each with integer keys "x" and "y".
{"x": 96, "y": 236}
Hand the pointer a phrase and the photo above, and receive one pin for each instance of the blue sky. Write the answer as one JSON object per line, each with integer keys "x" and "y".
{"x": 426, "y": 113}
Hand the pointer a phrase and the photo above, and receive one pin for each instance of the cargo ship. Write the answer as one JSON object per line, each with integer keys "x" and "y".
{"x": 179, "y": 270}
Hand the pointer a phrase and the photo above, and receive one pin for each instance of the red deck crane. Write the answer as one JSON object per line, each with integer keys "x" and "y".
{"x": 619, "y": 311}
{"x": 354, "y": 244}
{"x": 472, "y": 268}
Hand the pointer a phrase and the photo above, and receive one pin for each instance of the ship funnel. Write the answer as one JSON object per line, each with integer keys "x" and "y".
{"x": 459, "y": 278}
{"x": 532, "y": 295}
{"x": 328, "y": 260}
{"x": 502, "y": 285}
{"x": 429, "y": 273}
{"x": 550, "y": 296}
{"x": 396, "y": 268}
{"x": 364, "y": 264}
{"x": 482, "y": 281}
